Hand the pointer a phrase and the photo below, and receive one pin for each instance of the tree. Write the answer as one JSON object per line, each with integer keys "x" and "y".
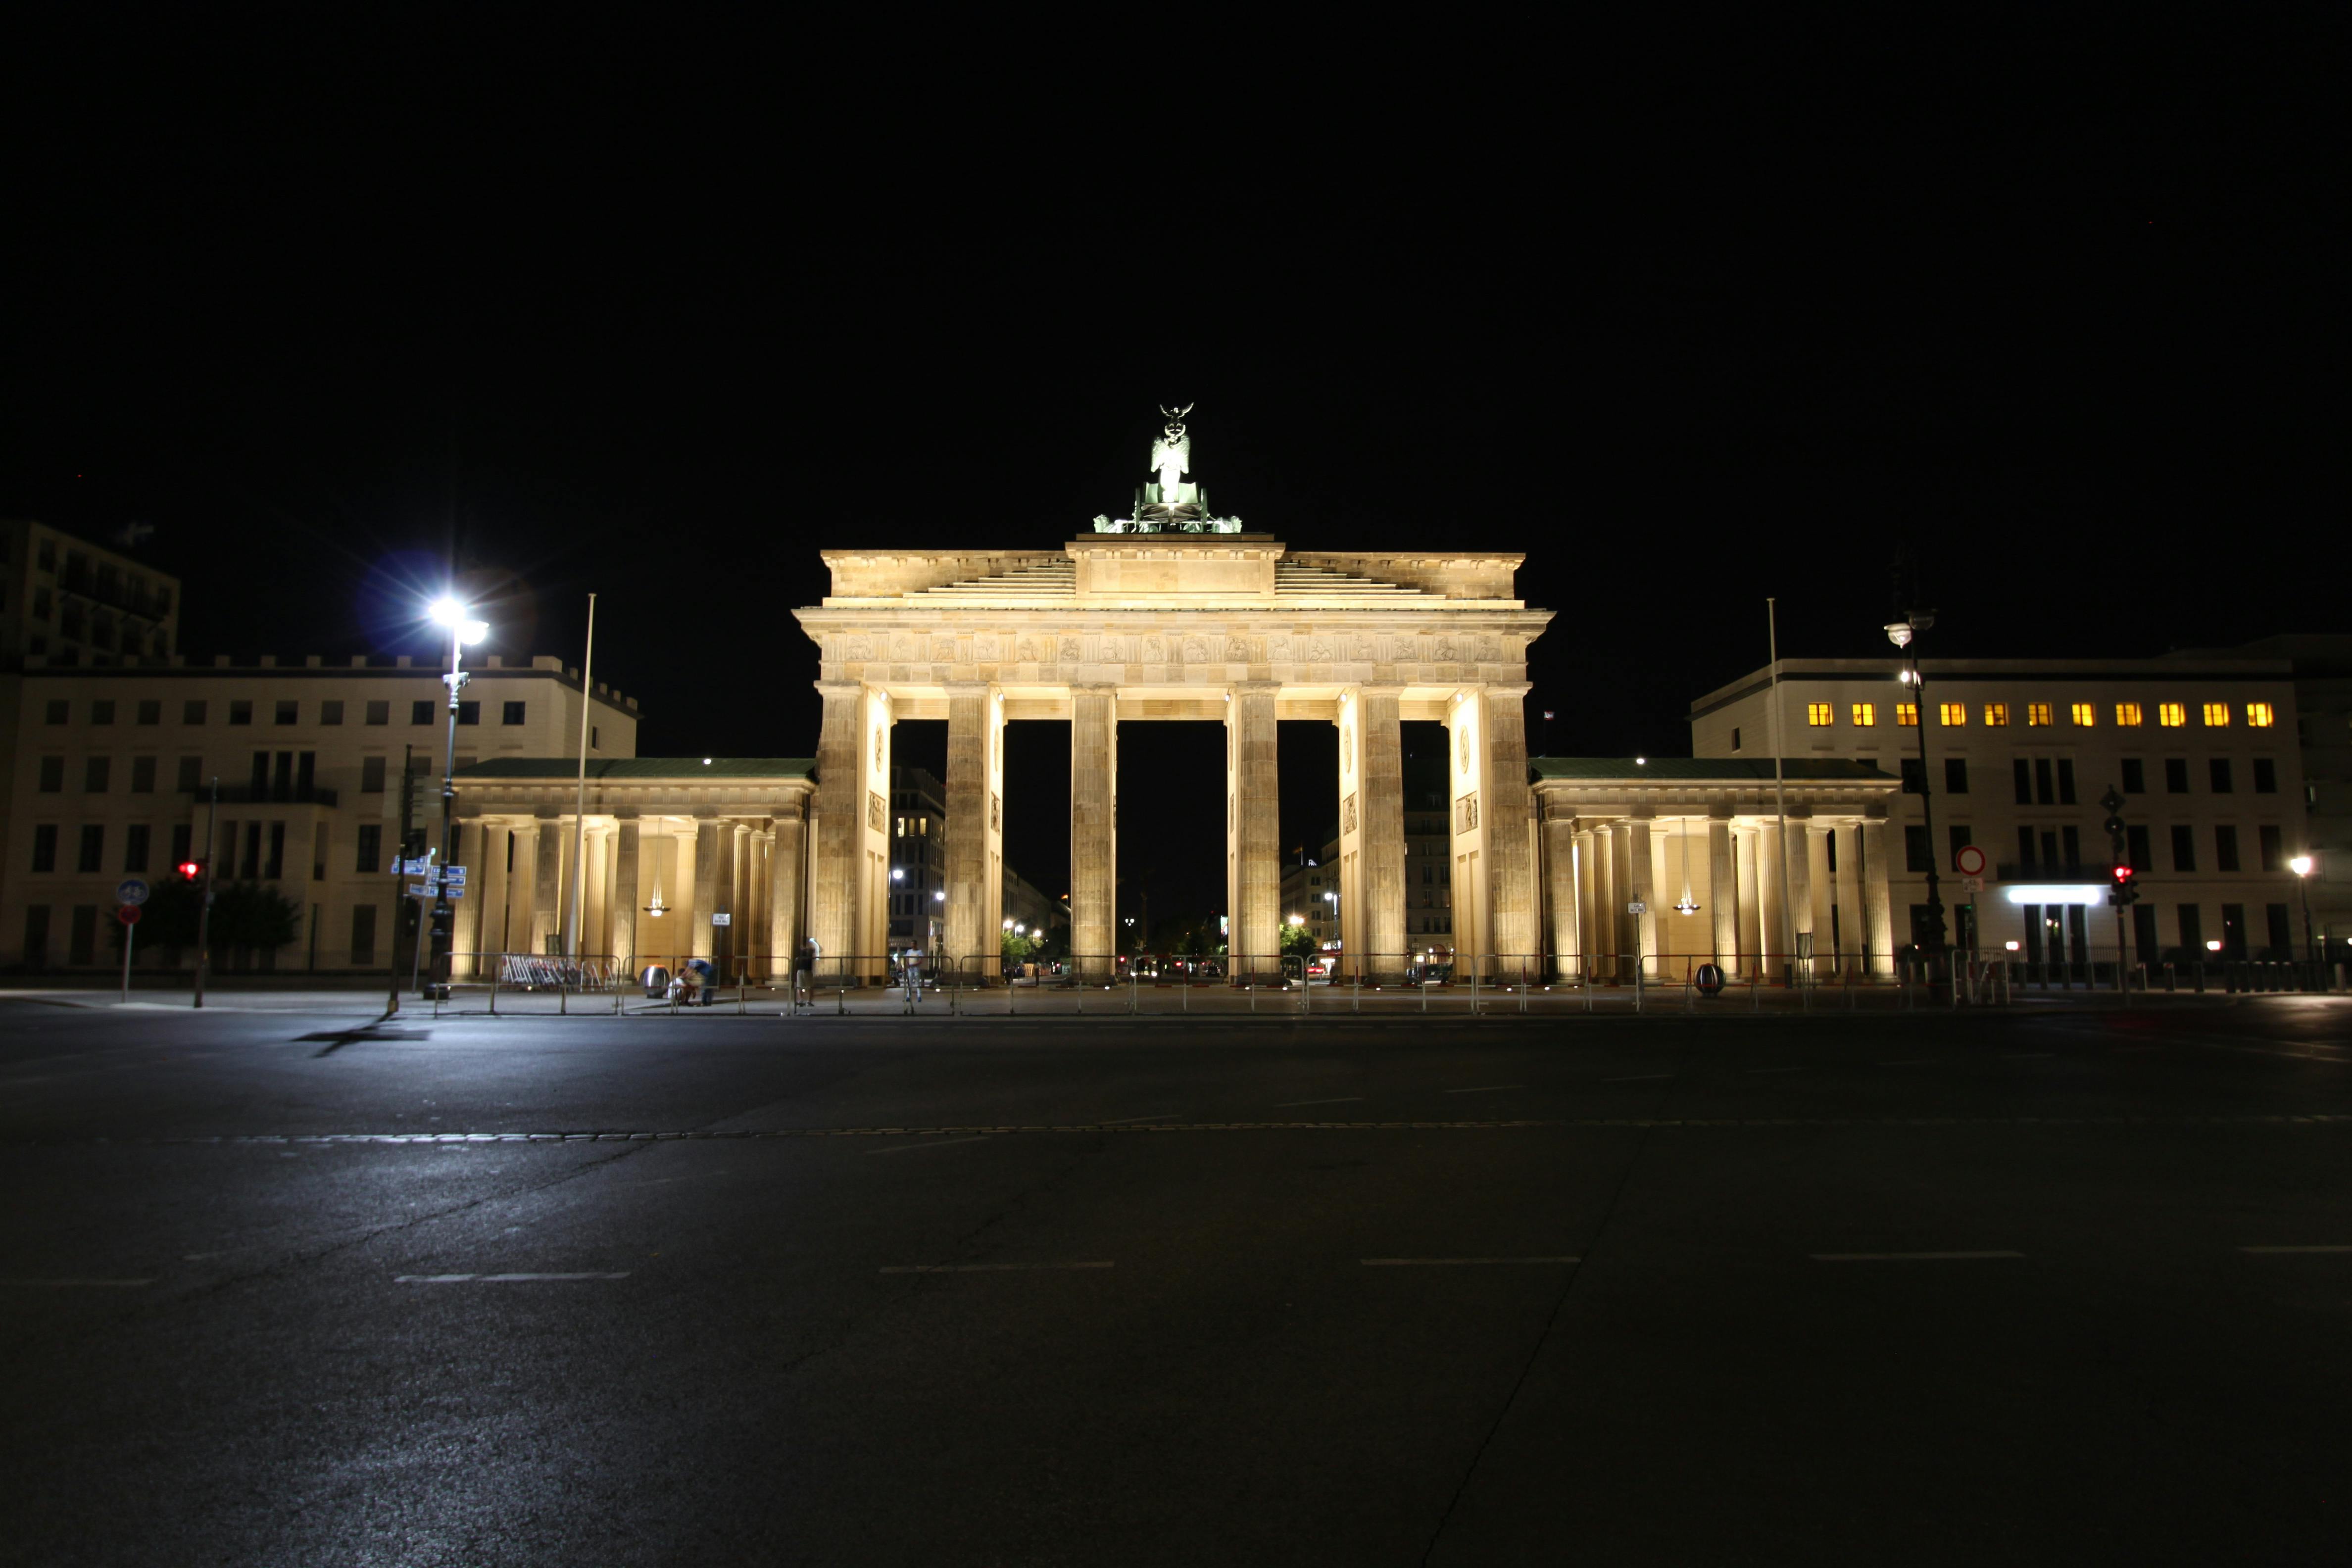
{"x": 1018, "y": 949}
{"x": 1297, "y": 940}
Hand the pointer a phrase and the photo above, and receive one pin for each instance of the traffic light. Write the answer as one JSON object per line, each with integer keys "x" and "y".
{"x": 2125, "y": 891}
{"x": 190, "y": 870}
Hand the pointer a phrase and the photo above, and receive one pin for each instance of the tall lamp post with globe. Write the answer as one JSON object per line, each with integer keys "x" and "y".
{"x": 1902, "y": 634}
{"x": 463, "y": 628}
{"x": 2302, "y": 866}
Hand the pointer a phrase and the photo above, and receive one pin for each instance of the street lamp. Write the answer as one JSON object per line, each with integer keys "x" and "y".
{"x": 1901, "y": 634}
{"x": 2301, "y": 866}
{"x": 463, "y": 628}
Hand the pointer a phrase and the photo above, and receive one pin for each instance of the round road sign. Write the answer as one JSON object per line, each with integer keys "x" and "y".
{"x": 133, "y": 892}
{"x": 128, "y": 914}
{"x": 1969, "y": 861}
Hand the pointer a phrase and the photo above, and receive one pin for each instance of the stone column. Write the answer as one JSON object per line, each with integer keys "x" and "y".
{"x": 1606, "y": 930}
{"x": 975, "y": 721}
{"x": 1817, "y": 874}
{"x": 1723, "y": 890}
{"x": 784, "y": 892}
{"x": 491, "y": 877}
{"x": 593, "y": 883}
{"x": 1256, "y": 928}
{"x": 1560, "y": 893}
{"x": 1094, "y": 830}
{"x": 707, "y": 859}
{"x": 1854, "y": 920}
{"x": 1776, "y": 941}
{"x": 1591, "y": 872}
{"x": 1751, "y": 907}
{"x": 625, "y": 901}
{"x": 546, "y": 884}
{"x": 1801, "y": 881}
{"x": 1377, "y": 931}
{"x": 1643, "y": 861}
{"x": 1622, "y": 891}
{"x": 839, "y": 830}
{"x": 1510, "y": 849}
{"x": 466, "y": 933}
{"x": 1876, "y": 896}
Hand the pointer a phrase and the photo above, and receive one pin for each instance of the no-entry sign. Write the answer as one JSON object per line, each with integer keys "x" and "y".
{"x": 128, "y": 914}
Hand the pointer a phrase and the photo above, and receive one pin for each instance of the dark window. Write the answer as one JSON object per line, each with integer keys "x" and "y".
{"x": 469, "y": 713}
{"x": 363, "y": 935}
{"x": 2176, "y": 775}
{"x": 1735, "y": 737}
{"x": 421, "y": 710}
{"x": 2025, "y": 846}
{"x": 2233, "y": 932}
{"x": 275, "y": 867}
{"x": 58, "y": 710}
{"x": 2266, "y": 776}
{"x": 97, "y": 773}
{"x": 260, "y": 775}
{"x": 1955, "y": 776}
{"x": 81, "y": 941}
{"x": 1915, "y": 850}
{"x": 2135, "y": 851}
{"x": 1915, "y": 776}
{"x": 2282, "y": 935}
{"x": 2042, "y": 788}
{"x": 191, "y": 712}
{"x": 2074, "y": 845}
{"x": 2065, "y": 781}
{"x": 330, "y": 712}
{"x": 372, "y": 775}
{"x": 379, "y": 711}
{"x": 48, "y": 559}
{"x": 370, "y": 856}
{"x": 134, "y": 847}
{"x": 2225, "y": 848}
{"x": 102, "y": 711}
{"x": 512, "y": 713}
{"x": 2144, "y": 933}
{"x": 150, "y": 710}
{"x": 143, "y": 775}
{"x": 37, "y": 936}
{"x": 1919, "y": 925}
{"x": 2184, "y": 849}
{"x": 191, "y": 775}
{"x": 251, "y": 868}
{"x": 45, "y": 848}
{"x": 2023, "y": 775}
{"x": 595, "y": 742}
{"x": 240, "y": 711}
{"x": 182, "y": 834}
{"x": 290, "y": 710}
{"x": 53, "y": 774}
{"x": 2217, "y": 769}
{"x": 1958, "y": 833}
{"x": 93, "y": 848}
{"x": 2135, "y": 777}
{"x": 2272, "y": 852}
{"x": 2192, "y": 932}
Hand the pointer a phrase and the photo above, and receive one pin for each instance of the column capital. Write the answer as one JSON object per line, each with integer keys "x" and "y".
{"x": 1374, "y": 688}
{"x": 1253, "y": 688}
{"x": 1502, "y": 688}
{"x": 841, "y": 688}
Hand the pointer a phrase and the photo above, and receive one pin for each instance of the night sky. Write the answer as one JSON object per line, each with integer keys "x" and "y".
{"x": 1688, "y": 320}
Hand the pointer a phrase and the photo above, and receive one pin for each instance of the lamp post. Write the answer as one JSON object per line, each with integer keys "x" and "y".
{"x": 463, "y": 629}
{"x": 1902, "y": 634}
{"x": 2301, "y": 866}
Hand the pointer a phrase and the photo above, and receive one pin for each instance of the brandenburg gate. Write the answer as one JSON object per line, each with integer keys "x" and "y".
{"x": 1171, "y": 613}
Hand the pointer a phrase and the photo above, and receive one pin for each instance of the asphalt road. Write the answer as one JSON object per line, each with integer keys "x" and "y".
{"x": 2057, "y": 1285}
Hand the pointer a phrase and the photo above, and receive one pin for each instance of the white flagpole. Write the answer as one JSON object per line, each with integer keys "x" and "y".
{"x": 1779, "y": 797}
{"x": 579, "y": 814}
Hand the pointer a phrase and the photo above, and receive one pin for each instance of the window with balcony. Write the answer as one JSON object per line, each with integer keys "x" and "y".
{"x": 1996, "y": 715}
{"x": 2037, "y": 716}
{"x": 1817, "y": 714}
{"x": 1866, "y": 715}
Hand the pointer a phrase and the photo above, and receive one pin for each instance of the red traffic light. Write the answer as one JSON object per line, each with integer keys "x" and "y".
{"x": 189, "y": 870}
{"x": 2123, "y": 875}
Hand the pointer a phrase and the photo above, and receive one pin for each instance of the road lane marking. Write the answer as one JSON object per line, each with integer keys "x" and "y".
{"x": 1638, "y": 1078}
{"x": 1343, "y": 1100}
{"x": 1907, "y": 1256}
{"x": 1454, "y": 1262}
{"x": 982, "y": 1268}
{"x": 78, "y": 1284}
{"x": 1134, "y": 1120}
{"x": 2295, "y": 1249}
{"x": 496, "y": 1278}
{"x": 933, "y": 1144}
{"x": 1486, "y": 1089}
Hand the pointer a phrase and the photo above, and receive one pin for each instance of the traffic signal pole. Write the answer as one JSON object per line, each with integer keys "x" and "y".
{"x": 2122, "y": 891}
{"x": 205, "y": 910}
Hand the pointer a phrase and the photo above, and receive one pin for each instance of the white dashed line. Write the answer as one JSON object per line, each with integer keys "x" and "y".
{"x": 495, "y": 1278}
{"x": 1452, "y": 1262}
{"x": 933, "y": 1144}
{"x": 981, "y": 1267}
{"x": 1907, "y": 1256}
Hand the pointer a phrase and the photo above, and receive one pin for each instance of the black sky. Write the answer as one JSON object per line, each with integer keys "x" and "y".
{"x": 1690, "y": 319}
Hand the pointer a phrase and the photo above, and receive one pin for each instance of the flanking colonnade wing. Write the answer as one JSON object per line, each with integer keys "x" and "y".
{"x": 1124, "y": 629}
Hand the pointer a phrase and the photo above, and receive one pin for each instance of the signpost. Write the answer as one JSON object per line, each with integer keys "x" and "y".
{"x": 129, "y": 915}
{"x": 1970, "y": 860}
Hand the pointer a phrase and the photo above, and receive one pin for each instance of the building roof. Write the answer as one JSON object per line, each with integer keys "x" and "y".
{"x": 643, "y": 768}
{"x": 1705, "y": 769}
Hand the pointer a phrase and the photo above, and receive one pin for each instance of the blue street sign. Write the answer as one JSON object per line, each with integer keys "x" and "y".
{"x": 133, "y": 891}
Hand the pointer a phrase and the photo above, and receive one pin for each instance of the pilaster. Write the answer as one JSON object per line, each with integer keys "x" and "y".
{"x": 1254, "y": 938}
{"x": 1094, "y": 830}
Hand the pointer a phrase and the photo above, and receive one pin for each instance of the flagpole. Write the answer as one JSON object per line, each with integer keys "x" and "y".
{"x": 1779, "y": 795}
{"x": 571, "y": 936}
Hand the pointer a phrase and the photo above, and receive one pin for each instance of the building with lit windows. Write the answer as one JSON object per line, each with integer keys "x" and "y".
{"x": 2202, "y": 747}
{"x": 72, "y": 603}
{"x": 110, "y": 772}
{"x": 919, "y": 864}
{"x": 1428, "y": 859}
{"x": 1310, "y": 890}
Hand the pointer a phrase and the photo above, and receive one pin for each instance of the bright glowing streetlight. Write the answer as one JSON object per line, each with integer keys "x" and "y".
{"x": 458, "y": 617}
{"x": 2301, "y": 866}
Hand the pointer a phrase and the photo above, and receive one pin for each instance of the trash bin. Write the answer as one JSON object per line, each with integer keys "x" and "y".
{"x": 1709, "y": 980}
{"x": 656, "y": 982}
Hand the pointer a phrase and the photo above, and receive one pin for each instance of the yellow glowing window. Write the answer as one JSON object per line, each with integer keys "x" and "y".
{"x": 1953, "y": 714}
{"x": 2171, "y": 715}
{"x": 1906, "y": 715}
{"x": 2085, "y": 714}
{"x": 2127, "y": 715}
{"x": 1996, "y": 715}
{"x": 2217, "y": 715}
{"x": 2037, "y": 715}
{"x": 1866, "y": 715}
{"x": 2260, "y": 716}
{"x": 1819, "y": 713}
